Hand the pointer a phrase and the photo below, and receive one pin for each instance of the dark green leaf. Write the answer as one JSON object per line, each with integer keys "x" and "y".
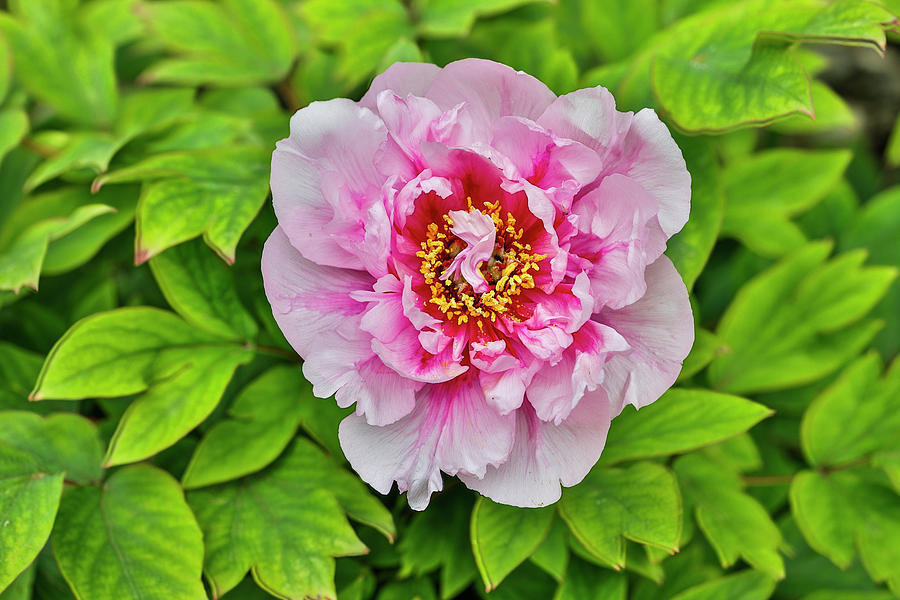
{"x": 58, "y": 443}
{"x": 748, "y": 585}
{"x": 585, "y": 581}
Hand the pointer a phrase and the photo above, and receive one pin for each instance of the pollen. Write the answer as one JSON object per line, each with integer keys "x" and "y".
{"x": 509, "y": 272}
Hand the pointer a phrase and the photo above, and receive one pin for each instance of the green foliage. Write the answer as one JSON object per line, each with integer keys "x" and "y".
{"x": 140, "y": 131}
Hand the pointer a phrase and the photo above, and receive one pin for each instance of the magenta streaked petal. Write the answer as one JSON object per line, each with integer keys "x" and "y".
{"x": 451, "y": 430}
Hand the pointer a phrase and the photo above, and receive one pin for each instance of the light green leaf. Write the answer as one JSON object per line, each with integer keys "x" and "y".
{"x": 747, "y": 585}
{"x": 763, "y": 193}
{"x": 831, "y": 114}
{"x": 118, "y": 353}
{"x": 233, "y": 43}
{"x": 892, "y": 151}
{"x": 363, "y": 30}
{"x": 641, "y": 503}
{"x": 262, "y": 423}
{"x": 5, "y": 63}
{"x": 454, "y": 18}
{"x": 740, "y": 59}
{"x": 439, "y": 538}
{"x": 214, "y": 192}
{"x": 824, "y": 515}
{"x": 854, "y": 416}
{"x": 132, "y": 539}
{"x": 116, "y": 20}
{"x": 585, "y": 581}
{"x": 91, "y": 150}
{"x": 59, "y": 443}
{"x": 285, "y": 523}
{"x": 202, "y": 290}
{"x": 690, "y": 248}
{"x": 504, "y": 536}
{"x": 320, "y": 418}
{"x": 889, "y": 462}
{"x": 171, "y": 408}
{"x": 23, "y": 586}
{"x": 403, "y": 50}
{"x": 28, "y": 502}
{"x": 13, "y": 127}
{"x": 790, "y": 325}
{"x": 736, "y": 525}
{"x": 22, "y": 257}
{"x": 680, "y": 421}
{"x": 66, "y": 66}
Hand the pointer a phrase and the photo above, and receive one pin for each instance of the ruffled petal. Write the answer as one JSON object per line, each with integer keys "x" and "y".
{"x": 490, "y": 90}
{"x": 312, "y": 305}
{"x": 402, "y": 78}
{"x": 639, "y": 146}
{"x": 325, "y": 181}
{"x": 660, "y": 330}
{"x": 621, "y": 236}
{"x": 546, "y": 455}
{"x": 381, "y": 395}
{"x": 556, "y": 389}
{"x": 451, "y": 429}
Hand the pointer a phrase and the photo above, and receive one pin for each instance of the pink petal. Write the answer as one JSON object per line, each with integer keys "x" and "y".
{"x": 556, "y": 389}
{"x": 477, "y": 230}
{"x": 622, "y": 236}
{"x": 380, "y": 394}
{"x": 491, "y": 90}
{"x": 312, "y": 305}
{"x": 660, "y": 330}
{"x": 402, "y": 78}
{"x": 639, "y": 146}
{"x": 325, "y": 181}
{"x": 546, "y": 455}
{"x": 451, "y": 429}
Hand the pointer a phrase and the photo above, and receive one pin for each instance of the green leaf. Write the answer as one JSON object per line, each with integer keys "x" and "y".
{"x": 363, "y": 30}
{"x": 61, "y": 64}
{"x": 320, "y": 418}
{"x": 117, "y": 20}
{"x": 690, "y": 248}
{"x": 5, "y": 63}
{"x": 13, "y": 127}
{"x": 765, "y": 191}
{"x": 854, "y": 416}
{"x": 680, "y": 421}
{"x": 59, "y": 443}
{"x": 262, "y": 421}
{"x": 28, "y": 502}
{"x": 439, "y": 538}
{"x": 892, "y": 151}
{"x": 171, "y": 408}
{"x": 824, "y": 516}
{"x": 19, "y": 369}
{"x": 285, "y": 523}
{"x": 213, "y": 192}
{"x": 22, "y": 257}
{"x": 134, "y": 538}
{"x": 118, "y": 353}
{"x": 832, "y": 114}
{"x": 740, "y": 60}
{"x": 747, "y": 585}
{"x": 735, "y": 524}
{"x": 790, "y": 325}
{"x": 233, "y": 43}
{"x": 22, "y": 587}
{"x": 553, "y": 553}
{"x": 585, "y": 581}
{"x": 641, "y": 503}
{"x": 504, "y": 536}
{"x": 706, "y": 347}
{"x": 413, "y": 589}
{"x": 202, "y": 290}
{"x": 454, "y": 18}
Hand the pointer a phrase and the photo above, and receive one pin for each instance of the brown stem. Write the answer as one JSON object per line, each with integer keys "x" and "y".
{"x": 280, "y": 352}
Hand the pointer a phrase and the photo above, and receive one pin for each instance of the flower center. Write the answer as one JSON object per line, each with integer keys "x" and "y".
{"x": 475, "y": 264}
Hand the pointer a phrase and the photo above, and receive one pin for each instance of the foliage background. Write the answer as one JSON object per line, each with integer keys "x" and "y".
{"x": 170, "y": 432}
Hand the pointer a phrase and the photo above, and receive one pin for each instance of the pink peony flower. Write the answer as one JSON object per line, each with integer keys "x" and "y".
{"x": 478, "y": 265}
